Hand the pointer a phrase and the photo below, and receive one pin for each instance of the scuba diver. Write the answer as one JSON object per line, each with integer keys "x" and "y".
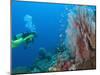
{"x": 23, "y": 38}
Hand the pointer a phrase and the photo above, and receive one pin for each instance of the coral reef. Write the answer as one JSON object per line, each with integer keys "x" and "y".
{"x": 42, "y": 62}
{"x": 82, "y": 27}
{"x": 80, "y": 42}
{"x": 43, "y": 54}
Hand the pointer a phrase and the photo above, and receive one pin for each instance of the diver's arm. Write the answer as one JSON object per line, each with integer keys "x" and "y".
{"x": 28, "y": 37}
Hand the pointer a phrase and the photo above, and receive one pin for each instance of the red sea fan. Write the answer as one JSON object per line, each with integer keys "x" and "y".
{"x": 81, "y": 33}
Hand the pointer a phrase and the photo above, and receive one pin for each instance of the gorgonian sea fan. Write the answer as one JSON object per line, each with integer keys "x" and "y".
{"x": 80, "y": 32}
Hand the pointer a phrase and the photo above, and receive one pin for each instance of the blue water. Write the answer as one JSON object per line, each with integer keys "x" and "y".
{"x": 46, "y": 18}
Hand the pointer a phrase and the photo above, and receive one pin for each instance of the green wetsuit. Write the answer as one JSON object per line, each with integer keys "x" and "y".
{"x": 20, "y": 40}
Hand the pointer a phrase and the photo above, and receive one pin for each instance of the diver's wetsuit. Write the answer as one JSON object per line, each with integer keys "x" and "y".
{"x": 23, "y": 38}
{"x": 23, "y": 35}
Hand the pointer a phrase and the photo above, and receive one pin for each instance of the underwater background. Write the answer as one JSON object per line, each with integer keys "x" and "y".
{"x": 49, "y": 22}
